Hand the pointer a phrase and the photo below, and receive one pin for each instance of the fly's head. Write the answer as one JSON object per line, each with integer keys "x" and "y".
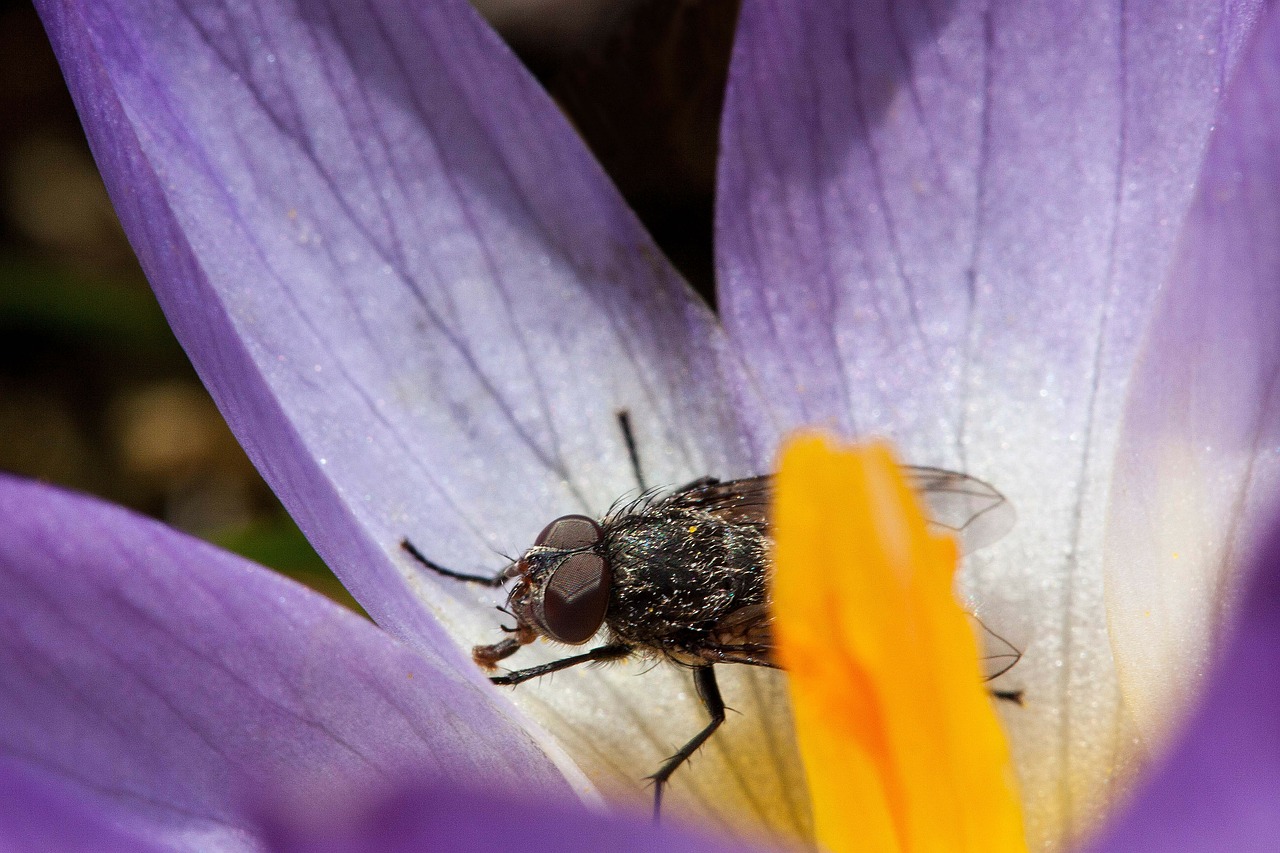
{"x": 561, "y": 589}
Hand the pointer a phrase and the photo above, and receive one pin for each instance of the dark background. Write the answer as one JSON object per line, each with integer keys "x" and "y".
{"x": 97, "y": 395}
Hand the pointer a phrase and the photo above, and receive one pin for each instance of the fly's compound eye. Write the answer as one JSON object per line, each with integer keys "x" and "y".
{"x": 572, "y": 602}
{"x": 575, "y": 597}
{"x": 570, "y": 533}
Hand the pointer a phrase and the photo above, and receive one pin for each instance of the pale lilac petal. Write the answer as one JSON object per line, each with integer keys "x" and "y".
{"x": 37, "y": 815}
{"x": 1219, "y": 787}
{"x": 426, "y": 817}
{"x": 166, "y": 681}
{"x": 419, "y": 304}
{"x": 370, "y": 222}
{"x": 1200, "y": 452}
{"x": 946, "y": 223}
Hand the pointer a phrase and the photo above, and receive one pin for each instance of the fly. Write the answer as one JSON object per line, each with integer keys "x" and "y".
{"x": 681, "y": 576}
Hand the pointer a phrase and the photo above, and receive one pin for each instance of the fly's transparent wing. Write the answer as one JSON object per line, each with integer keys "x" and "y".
{"x": 971, "y": 510}
{"x": 974, "y": 512}
{"x": 998, "y": 654}
{"x": 743, "y": 501}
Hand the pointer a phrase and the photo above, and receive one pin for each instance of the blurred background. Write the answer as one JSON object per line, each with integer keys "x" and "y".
{"x": 97, "y": 395}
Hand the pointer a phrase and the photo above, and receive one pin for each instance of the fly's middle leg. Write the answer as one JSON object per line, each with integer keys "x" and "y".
{"x": 704, "y": 678}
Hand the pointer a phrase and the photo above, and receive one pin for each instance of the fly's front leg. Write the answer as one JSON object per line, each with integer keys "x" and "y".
{"x": 484, "y": 580}
{"x": 600, "y": 653}
{"x": 704, "y": 678}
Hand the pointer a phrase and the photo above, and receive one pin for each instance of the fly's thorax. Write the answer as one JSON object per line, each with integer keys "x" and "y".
{"x": 676, "y": 573}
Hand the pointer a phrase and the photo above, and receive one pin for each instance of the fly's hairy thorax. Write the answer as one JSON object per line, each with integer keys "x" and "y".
{"x": 677, "y": 573}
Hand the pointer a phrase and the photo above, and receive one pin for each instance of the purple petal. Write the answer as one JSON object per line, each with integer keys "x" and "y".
{"x": 419, "y": 303}
{"x": 426, "y": 817}
{"x": 414, "y": 295}
{"x": 1219, "y": 787}
{"x": 37, "y": 815}
{"x": 1198, "y": 463}
{"x": 167, "y": 680}
{"x": 947, "y": 223}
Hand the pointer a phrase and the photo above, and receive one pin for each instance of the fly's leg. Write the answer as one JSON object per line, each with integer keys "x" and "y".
{"x": 600, "y": 653}
{"x": 704, "y": 678}
{"x": 633, "y": 451}
{"x": 484, "y": 580}
{"x": 1014, "y": 696}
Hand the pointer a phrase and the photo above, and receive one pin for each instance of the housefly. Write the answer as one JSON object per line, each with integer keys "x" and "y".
{"x": 681, "y": 576}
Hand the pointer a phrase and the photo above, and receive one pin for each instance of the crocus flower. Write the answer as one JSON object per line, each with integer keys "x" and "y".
{"x": 987, "y": 233}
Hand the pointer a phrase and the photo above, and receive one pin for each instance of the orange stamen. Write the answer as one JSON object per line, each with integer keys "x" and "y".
{"x": 899, "y": 739}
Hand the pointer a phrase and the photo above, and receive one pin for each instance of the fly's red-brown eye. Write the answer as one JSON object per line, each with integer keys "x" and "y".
{"x": 576, "y": 597}
{"x": 570, "y": 533}
{"x": 571, "y": 604}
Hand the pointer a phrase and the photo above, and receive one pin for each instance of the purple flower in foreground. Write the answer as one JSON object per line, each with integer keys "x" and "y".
{"x": 420, "y": 305}
{"x": 158, "y": 691}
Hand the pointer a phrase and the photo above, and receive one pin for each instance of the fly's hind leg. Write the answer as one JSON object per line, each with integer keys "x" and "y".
{"x": 633, "y": 453}
{"x": 633, "y": 450}
{"x": 704, "y": 679}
